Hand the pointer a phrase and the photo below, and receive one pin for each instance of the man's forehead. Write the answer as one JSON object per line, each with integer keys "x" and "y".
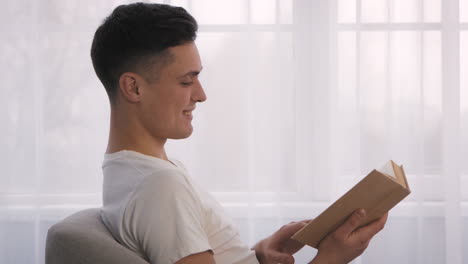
{"x": 185, "y": 61}
{"x": 190, "y": 72}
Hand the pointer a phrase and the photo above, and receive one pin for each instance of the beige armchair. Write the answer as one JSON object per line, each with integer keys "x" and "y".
{"x": 82, "y": 238}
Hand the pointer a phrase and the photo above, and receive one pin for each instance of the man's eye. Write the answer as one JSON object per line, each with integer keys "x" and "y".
{"x": 186, "y": 83}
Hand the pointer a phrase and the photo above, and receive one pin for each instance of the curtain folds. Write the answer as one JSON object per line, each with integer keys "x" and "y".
{"x": 304, "y": 99}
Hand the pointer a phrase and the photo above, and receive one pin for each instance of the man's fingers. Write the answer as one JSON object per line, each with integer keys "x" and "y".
{"x": 288, "y": 230}
{"x": 353, "y": 222}
{"x": 368, "y": 231}
{"x": 282, "y": 258}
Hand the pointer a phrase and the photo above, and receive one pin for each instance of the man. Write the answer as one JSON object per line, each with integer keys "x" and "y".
{"x": 146, "y": 58}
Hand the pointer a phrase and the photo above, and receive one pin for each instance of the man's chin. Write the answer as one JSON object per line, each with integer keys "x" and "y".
{"x": 183, "y": 135}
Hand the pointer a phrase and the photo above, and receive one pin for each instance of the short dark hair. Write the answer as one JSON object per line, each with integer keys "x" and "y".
{"x": 136, "y": 36}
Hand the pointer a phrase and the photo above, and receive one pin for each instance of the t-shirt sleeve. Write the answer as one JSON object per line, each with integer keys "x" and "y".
{"x": 165, "y": 218}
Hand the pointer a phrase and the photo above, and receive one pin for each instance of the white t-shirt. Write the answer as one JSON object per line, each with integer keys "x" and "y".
{"x": 155, "y": 209}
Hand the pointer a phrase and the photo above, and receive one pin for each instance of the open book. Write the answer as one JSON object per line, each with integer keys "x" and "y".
{"x": 377, "y": 193}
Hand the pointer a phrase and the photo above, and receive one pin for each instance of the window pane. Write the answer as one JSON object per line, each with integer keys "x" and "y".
{"x": 391, "y": 237}
{"x": 90, "y": 13}
{"x": 265, "y": 12}
{"x": 464, "y": 187}
{"x": 181, "y": 3}
{"x": 272, "y": 67}
{"x": 75, "y": 115}
{"x": 430, "y": 186}
{"x": 264, "y": 74}
{"x": 373, "y": 99}
{"x": 432, "y": 83}
{"x": 220, "y": 11}
{"x": 18, "y": 113}
{"x": 464, "y": 102}
{"x": 405, "y": 11}
{"x": 262, "y": 11}
{"x": 15, "y": 14}
{"x": 373, "y": 11}
{"x": 465, "y": 240}
{"x": 346, "y": 102}
{"x": 432, "y": 10}
{"x": 464, "y": 10}
{"x": 286, "y": 11}
{"x": 231, "y": 129}
{"x": 405, "y": 126}
{"x": 433, "y": 239}
{"x": 346, "y": 11}
{"x": 17, "y": 240}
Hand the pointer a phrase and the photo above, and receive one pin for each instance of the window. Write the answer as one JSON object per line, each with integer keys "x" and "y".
{"x": 304, "y": 98}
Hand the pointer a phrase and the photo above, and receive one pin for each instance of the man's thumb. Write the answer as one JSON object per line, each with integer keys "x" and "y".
{"x": 290, "y": 229}
{"x": 282, "y": 258}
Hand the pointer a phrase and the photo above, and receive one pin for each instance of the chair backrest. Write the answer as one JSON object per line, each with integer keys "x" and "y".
{"x": 82, "y": 238}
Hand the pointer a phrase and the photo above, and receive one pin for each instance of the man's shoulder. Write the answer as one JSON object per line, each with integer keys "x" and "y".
{"x": 164, "y": 190}
{"x": 163, "y": 182}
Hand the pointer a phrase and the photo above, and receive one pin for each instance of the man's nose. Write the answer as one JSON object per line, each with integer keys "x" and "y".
{"x": 199, "y": 93}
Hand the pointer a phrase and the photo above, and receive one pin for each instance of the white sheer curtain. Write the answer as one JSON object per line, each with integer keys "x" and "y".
{"x": 304, "y": 98}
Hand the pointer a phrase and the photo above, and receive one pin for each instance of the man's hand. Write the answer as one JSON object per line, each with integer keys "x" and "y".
{"x": 279, "y": 247}
{"x": 348, "y": 241}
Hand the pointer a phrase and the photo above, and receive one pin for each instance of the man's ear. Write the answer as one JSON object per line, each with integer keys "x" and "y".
{"x": 128, "y": 85}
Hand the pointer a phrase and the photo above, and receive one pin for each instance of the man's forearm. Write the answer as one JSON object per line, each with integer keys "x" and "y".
{"x": 319, "y": 259}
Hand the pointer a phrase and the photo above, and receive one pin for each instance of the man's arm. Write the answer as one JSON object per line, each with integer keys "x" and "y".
{"x": 339, "y": 247}
{"x": 205, "y": 257}
{"x": 348, "y": 241}
{"x": 279, "y": 248}
{"x": 178, "y": 231}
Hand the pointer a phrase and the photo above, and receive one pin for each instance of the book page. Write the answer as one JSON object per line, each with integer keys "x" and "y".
{"x": 388, "y": 169}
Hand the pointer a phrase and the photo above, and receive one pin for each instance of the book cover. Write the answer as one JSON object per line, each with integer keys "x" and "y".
{"x": 377, "y": 193}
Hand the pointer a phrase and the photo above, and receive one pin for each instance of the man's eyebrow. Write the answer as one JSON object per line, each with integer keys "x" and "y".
{"x": 191, "y": 73}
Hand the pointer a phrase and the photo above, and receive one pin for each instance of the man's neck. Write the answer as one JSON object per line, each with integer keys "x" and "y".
{"x": 126, "y": 134}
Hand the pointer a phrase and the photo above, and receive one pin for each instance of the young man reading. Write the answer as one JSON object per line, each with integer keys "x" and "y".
{"x": 146, "y": 58}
